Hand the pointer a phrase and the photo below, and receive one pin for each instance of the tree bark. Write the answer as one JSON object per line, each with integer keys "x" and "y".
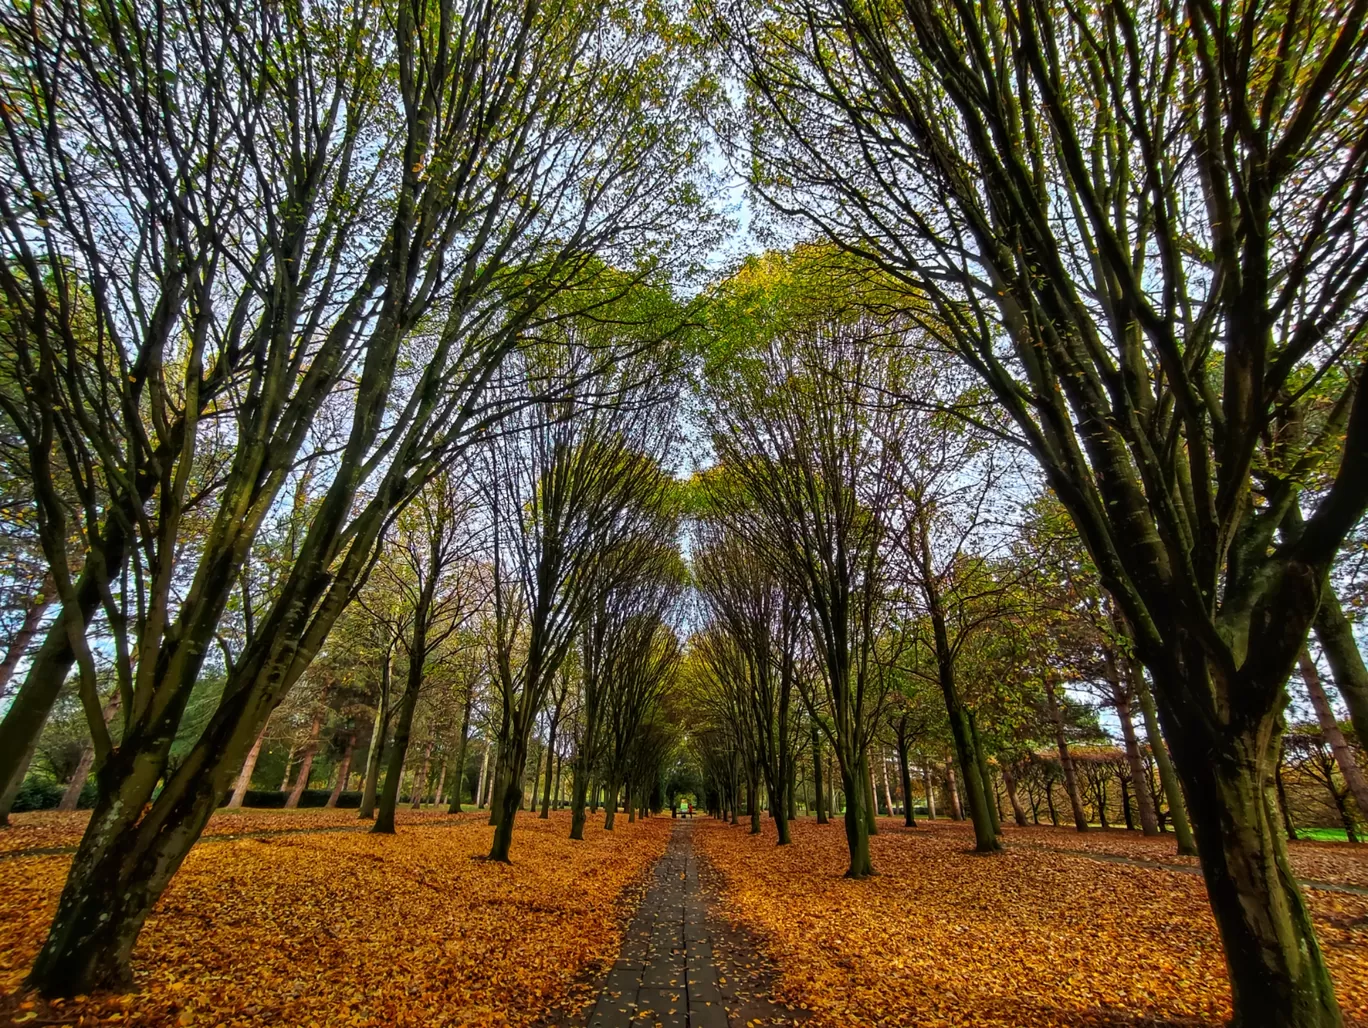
{"x": 909, "y": 818}
{"x": 419, "y": 789}
{"x": 952, "y": 788}
{"x": 930, "y": 793}
{"x": 343, "y": 772}
{"x": 72, "y": 796}
{"x": 456, "y": 793}
{"x": 18, "y": 646}
{"x": 1336, "y": 636}
{"x": 1065, "y": 761}
{"x": 1168, "y": 777}
{"x": 856, "y": 823}
{"x": 1330, "y": 729}
{"x": 1009, "y": 782}
{"x": 1149, "y": 820}
{"x": 306, "y": 763}
{"x": 244, "y": 778}
{"x": 817, "y": 775}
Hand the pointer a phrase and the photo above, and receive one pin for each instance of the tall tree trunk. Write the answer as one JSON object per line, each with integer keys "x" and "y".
{"x": 1276, "y": 967}
{"x": 456, "y": 793}
{"x": 1168, "y": 777}
{"x": 1009, "y": 782}
{"x": 244, "y": 778}
{"x": 343, "y": 772}
{"x": 72, "y": 796}
{"x": 398, "y": 749}
{"x": 888, "y": 792}
{"x": 1149, "y": 820}
{"x": 509, "y": 775}
{"x": 550, "y": 751}
{"x": 371, "y": 786}
{"x": 909, "y": 818}
{"x": 817, "y": 774}
{"x": 579, "y": 796}
{"x": 441, "y": 782}
{"x": 856, "y": 822}
{"x": 1336, "y": 636}
{"x": 986, "y": 777}
{"x": 952, "y": 788}
{"x": 871, "y": 797}
{"x": 419, "y": 789}
{"x": 29, "y": 708}
{"x": 1065, "y": 761}
{"x": 753, "y": 799}
{"x": 1330, "y": 729}
{"x": 930, "y": 793}
{"x": 33, "y": 616}
{"x": 484, "y": 773}
{"x": 306, "y": 763}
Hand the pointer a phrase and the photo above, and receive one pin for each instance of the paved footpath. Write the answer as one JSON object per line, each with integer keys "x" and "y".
{"x": 665, "y": 975}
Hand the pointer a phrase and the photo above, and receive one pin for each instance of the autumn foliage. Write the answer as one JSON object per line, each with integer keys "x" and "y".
{"x": 1033, "y": 938}
{"x": 348, "y": 928}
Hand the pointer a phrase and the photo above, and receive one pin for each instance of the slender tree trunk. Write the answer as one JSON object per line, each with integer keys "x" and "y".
{"x": 1168, "y": 777}
{"x": 909, "y": 818}
{"x": 1330, "y": 729}
{"x": 1065, "y": 761}
{"x": 244, "y": 778}
{"x": 888, "y": 792}
{"x": 1009, "y": 782}
{"x": 456, "y": 793}
{"x": 398, "y": 750}
{"x": 484, "y": 772}
{"x": 18, "y": 646}
{"x": 72, "y": 796}
{"x": 1336, "y": 636}
{"x": 753, "y": 800}
{"x": 930, "y": 793}
{"x": 371, "y": 785}
{"x": 29, "y": 708}
{"x": 817, "y": 774}
{"x": 420, "y": 782}
{"x": 871, "y": 797}
{"x": 441, "y": 782}
{"x": 1149, "y": 821}
{"x": 952, "y": 787}
{"x": 306, "y": 763}
{"x": 986, "y": 777}
{"x": 343, "y": 772}
{"x": 550, "y": 753}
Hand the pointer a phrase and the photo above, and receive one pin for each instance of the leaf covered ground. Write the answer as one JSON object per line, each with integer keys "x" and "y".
{"x": 1031, "y": 938}
{"x": 348, "y": 928}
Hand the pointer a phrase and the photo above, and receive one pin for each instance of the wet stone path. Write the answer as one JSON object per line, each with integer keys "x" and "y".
{"x": 665, "y": 975}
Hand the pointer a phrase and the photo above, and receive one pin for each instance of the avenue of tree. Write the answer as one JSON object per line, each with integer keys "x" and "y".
{"x": 373, "y": 412}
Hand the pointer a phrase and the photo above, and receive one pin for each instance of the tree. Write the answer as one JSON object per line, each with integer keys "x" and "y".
{"x": 808, "y": 461}
{"x": 574, "y": 489}
{"x": 1136, "y": 221}
{"x": 328, "y": 237}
